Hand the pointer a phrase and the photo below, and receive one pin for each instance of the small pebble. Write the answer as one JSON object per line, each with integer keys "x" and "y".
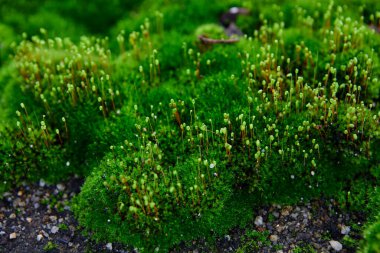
{"x": 42, "y": 183}
{"x": 285, "y": 212}
{"x": 279, "y": 228}
{"x": 345, "y": 230}
{"x": 54, "y": 229}
{"x": 259, "y": 221}
{"x": 53, "y": 218}
{"x": 39, "y": 237}
{"x": 60, "y": 187}
{"x": 12, "y": 236}
{"x": 337, "y": 246}
{"x": 29, "y": 219}
{"x": 273, "y": 238}
{"x": 294, "y": 215}
{"x": 45, "y": 234}
{"x": 109, "y": 246}
{"x": 62, "y": 240}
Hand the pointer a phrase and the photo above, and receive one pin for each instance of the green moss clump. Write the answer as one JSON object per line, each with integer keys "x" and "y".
{"x": 371, "y": 242}
{"x": 177, "y": 139}
{"x": 213, "y": 31}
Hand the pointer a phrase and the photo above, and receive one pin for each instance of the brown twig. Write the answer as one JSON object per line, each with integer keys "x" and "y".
{"x": 206, "y": 40}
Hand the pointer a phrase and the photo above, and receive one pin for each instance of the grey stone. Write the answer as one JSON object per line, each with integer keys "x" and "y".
{"x": 259, "y": 221}
{"x": 42, "y": 183}
{"x": 54, "y": 230}
{"x": 345, "y": 230}
{"x": 273, "y": 238}
{"x": 337, "y": 246}
{"x": 39, "y": 237}
{"x": 60, "y": 187}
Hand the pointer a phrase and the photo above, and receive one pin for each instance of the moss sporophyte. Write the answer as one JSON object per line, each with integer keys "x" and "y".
{"x": 177, "y": 138}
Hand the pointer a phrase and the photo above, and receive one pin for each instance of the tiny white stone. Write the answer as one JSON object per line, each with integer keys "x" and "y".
{"x": 345, "y": 230}
{"x": 273, "y": 238}
{"x": 60, "y": 187}
{"x": 259, "y": 221}
{"x": 54, "y": 229}
{"x": 109, "y": 246}
{"x": 12, "y": 236}
{"x": 45, "y": 234}
{"x": 337, "y": 246}
{"x": 53, "y": 218}
{"x": 42, "y": 183}
{"x": 39, "y": 237}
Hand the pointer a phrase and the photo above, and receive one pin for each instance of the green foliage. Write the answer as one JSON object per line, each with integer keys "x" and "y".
{"x": 304, "y": 249}
{"x": 97, "y": 16}
{"x": 372, "y": 238}
{"x": 253, "y": 240}
{"x": 50, "y": 246}
{"x": 63, "y": 226}
{"x": 213, "y": 31}
{"x": 179, "y": 138}
{"x": 70, "y": 18}
{"x": 63, "y": 87}
{"x": 350, "y": 242}
{"x": 7, "y": 36}
{"x": 371, "y": 233}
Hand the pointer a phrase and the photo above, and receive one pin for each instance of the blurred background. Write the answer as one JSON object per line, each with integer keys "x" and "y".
{"x": 74, "y": 18}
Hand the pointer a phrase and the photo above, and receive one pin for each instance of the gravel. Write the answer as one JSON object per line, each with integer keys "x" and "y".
{"x": 36, "y": 215}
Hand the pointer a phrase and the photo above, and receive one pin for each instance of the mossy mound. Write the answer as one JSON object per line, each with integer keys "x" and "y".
{"x": 178, "y": 138}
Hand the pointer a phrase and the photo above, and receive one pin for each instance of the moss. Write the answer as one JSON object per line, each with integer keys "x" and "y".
{"x": 371, "y": 232}
{"x": 176, "y": 138}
